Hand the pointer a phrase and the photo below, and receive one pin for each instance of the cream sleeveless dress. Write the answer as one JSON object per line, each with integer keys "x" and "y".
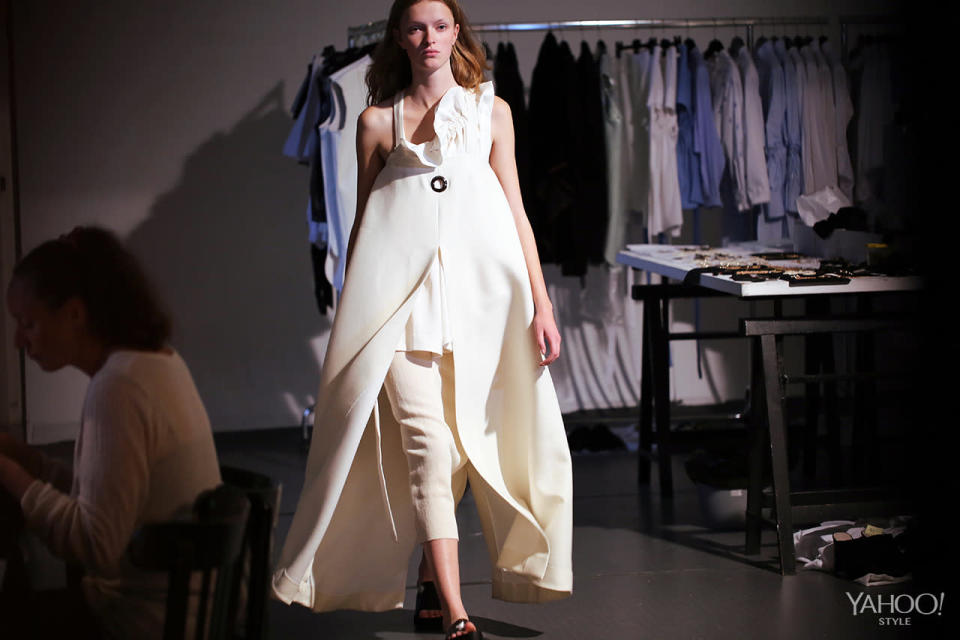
{"x": 436, "y": 215}
{"x": 428, "y": 328}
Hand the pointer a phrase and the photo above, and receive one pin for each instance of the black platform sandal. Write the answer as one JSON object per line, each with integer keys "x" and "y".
{"x": 461, "y": 625}
{"x": 427, "y": 600}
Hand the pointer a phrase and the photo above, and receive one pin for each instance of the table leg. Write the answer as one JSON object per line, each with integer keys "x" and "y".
{"x": 646, "y": 398}
{"x": 771, "y": 346}
{"x": 864, "y": 402}
{"x": 758, "y": 443}
{"x": 812, "y": 413}
{"x": 661, "y": 390}
{"x": 831, "y": 408}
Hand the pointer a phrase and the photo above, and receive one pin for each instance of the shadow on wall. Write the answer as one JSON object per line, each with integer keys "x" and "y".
{"x": 600, "y": 330}
{"x": 227, "y": 248}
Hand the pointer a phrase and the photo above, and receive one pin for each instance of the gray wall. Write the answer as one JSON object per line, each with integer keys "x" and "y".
{"x": 164, "y": 121}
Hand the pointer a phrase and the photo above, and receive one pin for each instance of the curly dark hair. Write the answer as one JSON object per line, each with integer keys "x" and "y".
{"x": 90, "y": 263}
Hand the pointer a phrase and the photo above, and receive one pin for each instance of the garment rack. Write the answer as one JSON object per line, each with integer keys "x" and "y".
{"x": 375, "y": 29}
{"x": 864, "y": 20}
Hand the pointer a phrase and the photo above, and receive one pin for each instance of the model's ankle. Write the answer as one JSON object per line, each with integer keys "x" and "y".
{"x": 424, "y": 572}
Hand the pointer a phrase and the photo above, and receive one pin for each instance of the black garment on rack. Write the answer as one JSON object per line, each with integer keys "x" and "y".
{"x": 509, "y": 85}
{"x": 550, "y": 150}
{"x": 590, "y": 162}
{"x": 553, "y": 116}
{"x": 322, "y": 289}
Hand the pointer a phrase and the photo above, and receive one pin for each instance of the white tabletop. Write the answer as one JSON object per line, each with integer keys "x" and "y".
{"x": 676, "y": 261}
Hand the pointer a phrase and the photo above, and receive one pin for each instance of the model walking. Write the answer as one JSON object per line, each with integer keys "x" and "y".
{"x": 435, "y": 371}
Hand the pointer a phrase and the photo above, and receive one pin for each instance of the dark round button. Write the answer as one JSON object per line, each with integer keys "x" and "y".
{"x": 438, "y": 184}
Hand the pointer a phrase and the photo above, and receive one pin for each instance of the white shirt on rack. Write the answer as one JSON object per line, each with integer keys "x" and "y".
{"x": 819, "y": 123}
{"x": 639, "y": 68}
{"x": 339, "y": 136}
{"x": 664, "y": 211}
{"x": 757, "y": 178}
{"x": 843, "y": 110}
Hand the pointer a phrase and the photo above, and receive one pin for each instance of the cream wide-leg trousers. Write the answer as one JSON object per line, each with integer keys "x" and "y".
{"x": 420, "y": 388}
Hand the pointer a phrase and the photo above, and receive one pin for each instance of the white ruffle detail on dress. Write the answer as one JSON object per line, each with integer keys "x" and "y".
{"x": 461, "y": 123}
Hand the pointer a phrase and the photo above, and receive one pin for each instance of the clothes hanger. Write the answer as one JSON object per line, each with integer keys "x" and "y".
{"x": 487, "y": 51}
{"x": 715, "y": 44}
{"x": 713, "y": 48}
{"x": 585, "y": 49}
{"x": 735, "y": 45}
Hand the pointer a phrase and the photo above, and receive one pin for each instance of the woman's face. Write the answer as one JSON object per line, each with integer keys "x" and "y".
{"x": 427, "y": 33}
{"x": 49, "y": 336}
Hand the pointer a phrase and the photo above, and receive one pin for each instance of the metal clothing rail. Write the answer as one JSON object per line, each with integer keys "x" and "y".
{"x": 375, "y": 29}
{"x": 366, "y": 33}
{"x": 864, "y": 20}
{"x": 652, "y": 23}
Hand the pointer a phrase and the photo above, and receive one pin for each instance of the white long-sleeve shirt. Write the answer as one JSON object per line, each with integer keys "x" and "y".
{"x": 755, "y": 172}
{"x": 843, "y": 109}
{"x": 145, "y": 450}
{"x": 819, "y": 123}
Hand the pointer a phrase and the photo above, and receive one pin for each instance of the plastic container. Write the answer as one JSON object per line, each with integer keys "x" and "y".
{"x": 723, "y": 508}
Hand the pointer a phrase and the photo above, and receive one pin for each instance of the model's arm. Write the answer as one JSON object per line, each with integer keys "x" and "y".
{"x": 371, "y": 128}
{"x": 504, "y": 164}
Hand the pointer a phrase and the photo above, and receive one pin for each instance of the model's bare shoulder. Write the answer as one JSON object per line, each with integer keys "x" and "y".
{"x": 501, "y": 107}
{"x": 501, "y": 120}
{"x": 377, "y": 118}
{"x": 375, "y": 127}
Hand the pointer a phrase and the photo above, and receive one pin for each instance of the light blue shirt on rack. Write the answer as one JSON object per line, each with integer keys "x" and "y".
{"x": 770, "y": 72}
{"x": 793, "y": 76}
{"x": 706, "y": 139}
{"x": 688, "y": 163}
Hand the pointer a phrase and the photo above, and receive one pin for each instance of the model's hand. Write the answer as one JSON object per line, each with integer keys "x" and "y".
{"x": 548, "y": 336}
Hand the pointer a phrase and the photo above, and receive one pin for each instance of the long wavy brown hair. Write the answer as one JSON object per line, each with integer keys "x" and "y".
{"x": 390, "y": 70}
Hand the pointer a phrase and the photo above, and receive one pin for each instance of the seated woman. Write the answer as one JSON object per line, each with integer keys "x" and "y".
{"x": 145, "y": 447}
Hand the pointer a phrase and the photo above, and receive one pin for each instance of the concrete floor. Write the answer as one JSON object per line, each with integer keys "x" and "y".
{"x": 643, "y": 568}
